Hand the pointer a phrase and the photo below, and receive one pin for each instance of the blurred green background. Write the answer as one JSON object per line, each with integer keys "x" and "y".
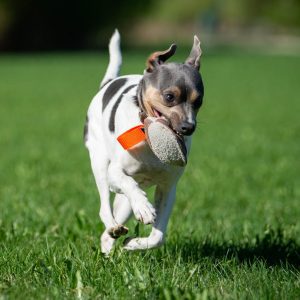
{"x": 76, "y": 24}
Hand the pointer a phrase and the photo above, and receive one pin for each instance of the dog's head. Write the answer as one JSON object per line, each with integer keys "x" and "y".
{"x": 173, "y": 90}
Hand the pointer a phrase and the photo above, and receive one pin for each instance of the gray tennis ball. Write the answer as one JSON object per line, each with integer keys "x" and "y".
{"x": 164, "y": 142}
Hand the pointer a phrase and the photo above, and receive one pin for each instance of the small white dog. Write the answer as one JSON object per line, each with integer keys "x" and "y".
{"x": 173, "y": 91}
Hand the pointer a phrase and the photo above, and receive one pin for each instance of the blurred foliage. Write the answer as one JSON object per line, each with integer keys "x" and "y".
{"x": 237, "y": 12}
{"x": 53, "y": 24}
{"x": 281, "y": 12}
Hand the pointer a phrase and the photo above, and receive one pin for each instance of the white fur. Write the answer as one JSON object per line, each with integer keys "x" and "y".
{"x": 127, "y": 173}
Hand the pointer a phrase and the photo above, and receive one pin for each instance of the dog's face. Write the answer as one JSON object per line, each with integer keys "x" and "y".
{"x": 174, "y": 90}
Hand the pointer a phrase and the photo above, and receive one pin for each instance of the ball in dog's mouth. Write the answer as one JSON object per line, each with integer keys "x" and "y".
{"x": 165, "y": 143}
{"x": 160, "y": 116}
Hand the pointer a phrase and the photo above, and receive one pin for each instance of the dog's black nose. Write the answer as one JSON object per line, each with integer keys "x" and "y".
{"x": 187, "y": 128}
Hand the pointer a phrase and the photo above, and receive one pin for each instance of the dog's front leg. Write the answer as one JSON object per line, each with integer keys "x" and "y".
{"x": 164, "y": 200}
{"x": 122, "y": 183}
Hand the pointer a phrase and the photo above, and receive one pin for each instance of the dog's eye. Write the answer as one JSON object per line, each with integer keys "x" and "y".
{"x": 169, "y": 97}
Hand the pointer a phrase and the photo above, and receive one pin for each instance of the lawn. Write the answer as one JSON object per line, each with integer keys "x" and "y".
{"x": 234, "y": 232}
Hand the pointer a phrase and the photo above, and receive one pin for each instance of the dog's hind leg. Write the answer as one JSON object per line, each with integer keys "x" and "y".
{"x": 122, "y": 212}
{"x": 99, "y": 166}
{"x": 122, "y": 209}
{"x": 164, "y": 200}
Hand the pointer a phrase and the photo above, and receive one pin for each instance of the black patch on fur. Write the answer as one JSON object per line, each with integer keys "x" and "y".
{"x": 136, "y": 101}
{"x": 111, "y": 124}
{"x": 198, "y": 102}
{"x": 86, "y": 129}
{"x": 112, "y": 90}
{"x": 139, "y": 94}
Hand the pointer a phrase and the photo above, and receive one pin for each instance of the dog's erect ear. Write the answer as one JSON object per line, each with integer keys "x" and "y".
{"x": 194, "y": 57}
{"x": 159, "y": 57}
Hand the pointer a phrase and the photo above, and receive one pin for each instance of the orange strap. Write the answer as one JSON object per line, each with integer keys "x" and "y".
{"x": 132, "y": 137}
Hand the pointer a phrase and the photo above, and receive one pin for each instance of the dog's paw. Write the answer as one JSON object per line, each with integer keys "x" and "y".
{"x": 144, "y": 211}
{"x": 132, "y": 244}
{"x": 117, "y": 231}
{"x": 107, "y": 243}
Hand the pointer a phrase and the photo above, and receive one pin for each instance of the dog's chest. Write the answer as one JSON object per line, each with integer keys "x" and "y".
{"x": 146, "y": 168}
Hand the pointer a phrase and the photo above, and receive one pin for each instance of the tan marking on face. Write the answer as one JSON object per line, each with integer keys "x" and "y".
{"x": 193, "y": 96}
{"x": 153, "y": 99}
{"x": 179, "y": 110}
{"x": 176, "y": 114}
{"x": 174, "y": 90}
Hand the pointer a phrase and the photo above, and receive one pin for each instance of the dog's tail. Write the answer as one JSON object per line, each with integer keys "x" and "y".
{"x": 115, "y": 59}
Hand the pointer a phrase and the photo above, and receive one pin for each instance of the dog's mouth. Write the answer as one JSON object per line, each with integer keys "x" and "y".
{"x": 158, "y": 114}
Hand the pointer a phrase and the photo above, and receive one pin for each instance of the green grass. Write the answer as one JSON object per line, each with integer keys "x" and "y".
{"x": 234, "y": 232}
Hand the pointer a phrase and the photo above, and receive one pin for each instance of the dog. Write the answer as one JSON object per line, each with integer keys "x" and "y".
{"x": 173, "y": 91}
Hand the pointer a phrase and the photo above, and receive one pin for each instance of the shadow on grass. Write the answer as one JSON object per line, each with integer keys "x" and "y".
{"x": 273, "y": 248}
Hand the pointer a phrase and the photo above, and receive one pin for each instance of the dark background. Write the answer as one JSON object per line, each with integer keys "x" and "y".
{"x": 67, "y": 24}
{"x": 32, "y": 25}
